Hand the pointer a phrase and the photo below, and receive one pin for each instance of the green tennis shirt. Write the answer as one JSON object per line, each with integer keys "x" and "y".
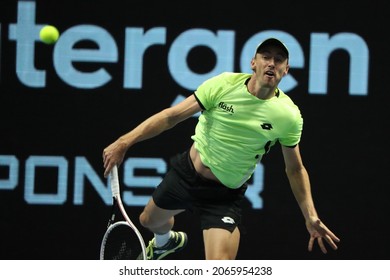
{"x": 236, "y": 128}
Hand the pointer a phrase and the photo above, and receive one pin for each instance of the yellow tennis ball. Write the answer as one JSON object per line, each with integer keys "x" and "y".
{"x": 49, "y": 34}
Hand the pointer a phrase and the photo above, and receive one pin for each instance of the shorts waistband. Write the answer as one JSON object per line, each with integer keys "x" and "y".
{"x": 204, "y": 179}
{"x": 183, "y": 164}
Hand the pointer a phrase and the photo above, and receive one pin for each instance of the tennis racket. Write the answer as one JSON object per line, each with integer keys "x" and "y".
{"x": 122, "y": 240}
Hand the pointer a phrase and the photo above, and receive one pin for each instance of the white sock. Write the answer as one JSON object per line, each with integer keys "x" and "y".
{"x": 162, "y": 239}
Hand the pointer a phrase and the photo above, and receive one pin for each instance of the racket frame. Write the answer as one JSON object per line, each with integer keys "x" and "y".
{"x": 117, "y": 202}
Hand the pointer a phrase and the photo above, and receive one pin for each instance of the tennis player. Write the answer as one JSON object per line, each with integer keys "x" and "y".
{"x": 242, "y": 117}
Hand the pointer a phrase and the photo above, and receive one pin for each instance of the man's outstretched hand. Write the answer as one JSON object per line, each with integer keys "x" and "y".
{"x": 320, "y": 231}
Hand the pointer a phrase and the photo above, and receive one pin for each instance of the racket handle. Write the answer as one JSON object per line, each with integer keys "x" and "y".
{"x": 114, "y": 181}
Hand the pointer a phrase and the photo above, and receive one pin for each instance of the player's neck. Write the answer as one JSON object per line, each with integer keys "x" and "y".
{"x": 261, "y": 92}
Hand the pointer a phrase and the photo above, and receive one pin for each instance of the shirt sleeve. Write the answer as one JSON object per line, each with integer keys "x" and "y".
{"x": 208, "y": 93}
{"x": 293, "y": 136}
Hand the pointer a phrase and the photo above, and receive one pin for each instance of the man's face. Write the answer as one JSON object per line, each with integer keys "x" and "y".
{"x": 270, "y": 65}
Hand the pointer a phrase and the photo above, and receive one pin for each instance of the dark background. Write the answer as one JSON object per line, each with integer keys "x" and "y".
{"x": 342, "y": 144}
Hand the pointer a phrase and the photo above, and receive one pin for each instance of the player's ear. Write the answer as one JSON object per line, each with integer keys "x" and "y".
{"x": 286, "y": 71}
{"x": 253, "y": 66}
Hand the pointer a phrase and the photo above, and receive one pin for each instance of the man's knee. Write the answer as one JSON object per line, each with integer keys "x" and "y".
{"x": 144, "y": 220}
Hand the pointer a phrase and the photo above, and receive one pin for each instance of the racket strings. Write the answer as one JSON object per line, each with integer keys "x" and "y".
{"x": 120, "y": 243}
{"x": 124, "y": 253}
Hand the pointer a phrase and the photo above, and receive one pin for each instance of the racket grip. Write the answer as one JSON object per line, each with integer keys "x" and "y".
{"x": 114, "y": 181}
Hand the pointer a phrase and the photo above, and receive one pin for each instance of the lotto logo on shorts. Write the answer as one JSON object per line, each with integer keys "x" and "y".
{"x": 228, "y": 220}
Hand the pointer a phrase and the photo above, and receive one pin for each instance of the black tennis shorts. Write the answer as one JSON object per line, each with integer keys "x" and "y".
{"x": 182, "y": 188}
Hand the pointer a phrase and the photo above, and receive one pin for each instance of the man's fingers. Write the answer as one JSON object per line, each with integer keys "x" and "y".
{"x": 333, "y": 236}
{"x": 331, "y": 242}
{"x": 107, "y": 170}
{"x": 311, "y": 242}
{"x": 322, "y": 245}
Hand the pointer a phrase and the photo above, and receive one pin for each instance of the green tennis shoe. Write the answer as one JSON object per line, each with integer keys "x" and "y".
{"x": 176, "y": 242}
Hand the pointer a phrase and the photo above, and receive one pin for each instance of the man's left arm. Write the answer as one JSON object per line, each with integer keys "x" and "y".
{"x": 301, "y": 188}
